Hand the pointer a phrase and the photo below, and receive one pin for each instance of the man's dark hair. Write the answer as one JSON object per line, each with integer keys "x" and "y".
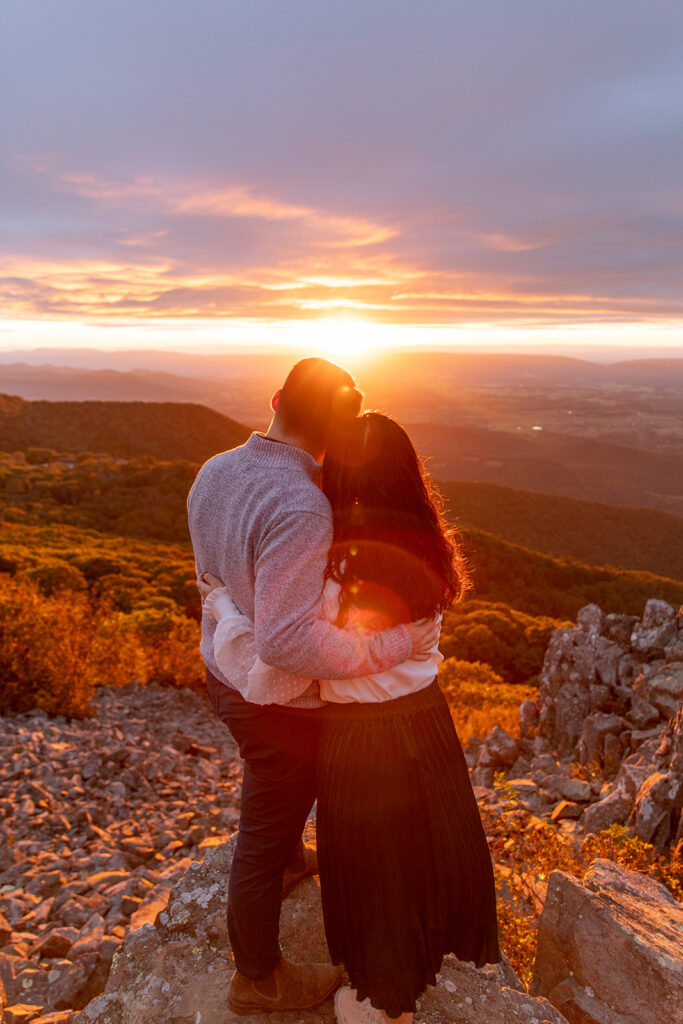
{"x": 316, "y": 395}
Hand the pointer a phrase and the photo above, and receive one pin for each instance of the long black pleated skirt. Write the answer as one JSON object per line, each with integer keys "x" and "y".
{"x": 405, "y": 871}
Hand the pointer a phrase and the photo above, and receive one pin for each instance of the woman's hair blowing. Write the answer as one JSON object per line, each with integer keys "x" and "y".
{"x": 392, "y": 548}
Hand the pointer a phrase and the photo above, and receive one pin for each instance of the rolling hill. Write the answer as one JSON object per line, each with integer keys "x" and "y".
{"x": 150, "y": 452}
{"x": 588, "y": 531}
{"x": 543, "y": 461}
{"x": 553, "y": 463}
{"x": 163, "y": 430}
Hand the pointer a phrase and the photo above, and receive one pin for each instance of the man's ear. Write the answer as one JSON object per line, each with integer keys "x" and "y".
{"x": 275, "y": 400}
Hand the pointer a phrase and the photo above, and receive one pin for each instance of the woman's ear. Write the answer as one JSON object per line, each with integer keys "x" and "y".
{"x": 274, "y": 402}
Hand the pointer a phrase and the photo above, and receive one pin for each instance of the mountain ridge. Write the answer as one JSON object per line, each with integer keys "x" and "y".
{"x": 545, "y": 461}
{"x": 181, "y": 436}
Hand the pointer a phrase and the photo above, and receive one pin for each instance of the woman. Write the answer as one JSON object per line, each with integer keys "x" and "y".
{"x": 405, "y": 871}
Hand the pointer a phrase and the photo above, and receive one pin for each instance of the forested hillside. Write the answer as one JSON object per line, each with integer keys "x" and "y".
{"x": 164, "y": 430}
{"x": 145, "y": 497}
{"x": 588, "y": 531}
{"x": 97, "y": 569}
{"x": 547, "y": 461}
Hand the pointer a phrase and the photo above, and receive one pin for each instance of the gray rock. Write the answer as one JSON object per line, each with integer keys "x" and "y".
{"x": 528, "y": 717}
{"x": 674, "y": 650}
{"x": 664, "y": 688}
{"x": 591, "y": 619}
{"x": 628, "y": 669}
{"x": 520, "y": 768}
{"x": 525, "y": 788}
{"x": 482, "y": 777}
{"x": 610, "y": 951}
{"x": 642, "y": 714}
{"x": 566, "y": 809}
{"x": 607, "y": 659}
{"x": 178, "y": 971}
{"x": 80, "y": 983}
{"x": 619, "y": 628}
{"x": 658, "y": 807}
{"x": 611, "y": 810}
{"x": 595, "y": 729}
{"x": 612, "y": 752}
{"x": 576, "y": 790}
{"x": 499, "y": 749}
{"x": 654, "y": 639}
{"x": 89, "y": 937}
{"x": 657, "y": 613}
{"x": 640, "y": 736}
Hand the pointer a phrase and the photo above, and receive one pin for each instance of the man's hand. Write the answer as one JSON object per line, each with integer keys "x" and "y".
{"x": 206, "y": 583}
{"x": 424, "y": 635}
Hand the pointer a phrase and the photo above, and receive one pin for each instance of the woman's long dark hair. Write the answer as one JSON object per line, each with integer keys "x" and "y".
{"x": 392, "y": 550}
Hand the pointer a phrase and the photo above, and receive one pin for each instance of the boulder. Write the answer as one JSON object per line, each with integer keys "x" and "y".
{"x": 658, "y": 628}
{"x": 576, "y": 790}
{"x": 498, "y": 750}
{"x": 611, "y": 810}
{"x": 592, "y": 741}
{"x": 658, "y": 807}
{"x": 607, "y": 657}
{"x": 80, "y": 982}
{"x": 177, "y": 970}
{"x": 565, "y": 809}
{"x": 580, "y": 672}
{"x": 591, "y": 619}
{"x": 664, "y": 689}
{"x": 610, "y": 950}
{"x": 528, "y": 717}
{"x": 619, "y": 628}
{"x": 658, "y": 613}
{"x": 641, "y": 713}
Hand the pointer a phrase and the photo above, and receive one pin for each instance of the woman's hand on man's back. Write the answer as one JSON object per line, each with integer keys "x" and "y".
{"x": 207, "y": 583}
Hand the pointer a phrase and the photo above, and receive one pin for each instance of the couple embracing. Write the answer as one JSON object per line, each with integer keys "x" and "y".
{"x": 324, "y": 564}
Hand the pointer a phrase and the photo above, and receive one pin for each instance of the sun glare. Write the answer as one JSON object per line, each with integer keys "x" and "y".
{"x": 345, "y": 337}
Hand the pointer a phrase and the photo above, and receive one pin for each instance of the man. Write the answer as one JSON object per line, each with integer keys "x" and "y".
{"x": 260, "y": 523}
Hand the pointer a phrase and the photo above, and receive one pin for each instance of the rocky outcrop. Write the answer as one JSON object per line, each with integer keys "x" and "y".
{"x": 98, "y": 820}
{"x": 177, "y": 969}
{"x": 610, "y": 699}
{"x": 610, "y": 675}
{"x": 610, "y": 950}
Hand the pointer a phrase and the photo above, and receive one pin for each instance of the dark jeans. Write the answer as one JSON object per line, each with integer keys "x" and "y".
{"x": 279, "y": 747}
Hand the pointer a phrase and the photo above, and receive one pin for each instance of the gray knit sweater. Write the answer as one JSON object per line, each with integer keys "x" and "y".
{"x": 261, "y": 524}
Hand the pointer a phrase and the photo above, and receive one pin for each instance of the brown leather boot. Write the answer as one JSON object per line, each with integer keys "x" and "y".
{"x": 302, "y": 865}
{"x": 290, "y": 987}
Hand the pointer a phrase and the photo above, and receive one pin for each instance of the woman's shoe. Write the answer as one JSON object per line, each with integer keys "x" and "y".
{"x": 348, "y": 1010}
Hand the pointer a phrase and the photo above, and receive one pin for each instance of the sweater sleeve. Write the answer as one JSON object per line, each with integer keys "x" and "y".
{"x": 289, "y": 629}
{"x": 234, "y": 649}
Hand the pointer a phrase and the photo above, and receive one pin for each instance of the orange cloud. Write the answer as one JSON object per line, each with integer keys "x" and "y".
{"x": 199, "y": 249}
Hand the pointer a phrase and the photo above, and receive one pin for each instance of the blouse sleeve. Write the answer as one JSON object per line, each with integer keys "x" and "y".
{"x": 234, "y": 649}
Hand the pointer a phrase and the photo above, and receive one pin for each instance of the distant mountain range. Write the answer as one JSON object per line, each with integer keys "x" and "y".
{"x": 638, "y": 539}
{"x": 482, "y": 369}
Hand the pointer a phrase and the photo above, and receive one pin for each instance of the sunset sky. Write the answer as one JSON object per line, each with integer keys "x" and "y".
{"x": 218, "y": 172}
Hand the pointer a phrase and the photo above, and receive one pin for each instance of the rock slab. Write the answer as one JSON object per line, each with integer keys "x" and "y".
{"x": 177, "y": 970}
{"x": 610, "y": 950}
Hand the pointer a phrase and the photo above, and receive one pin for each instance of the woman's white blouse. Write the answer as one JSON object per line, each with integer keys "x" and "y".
{"x": 234, "y": 649}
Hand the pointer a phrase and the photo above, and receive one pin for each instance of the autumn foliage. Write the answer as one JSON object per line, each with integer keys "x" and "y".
{"x": 55, "y": 650}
